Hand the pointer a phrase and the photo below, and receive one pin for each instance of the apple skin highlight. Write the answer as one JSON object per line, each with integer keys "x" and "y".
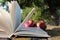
{"x": 41, "y": 24}
{"x": 29, "y": 23}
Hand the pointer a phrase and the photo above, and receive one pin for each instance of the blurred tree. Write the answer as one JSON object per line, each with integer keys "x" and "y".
{"x": 2, "y": 2}
{"x": 45, "y": 9}
{"x": 53, "y": 5}
{"x": 41, "y": 8}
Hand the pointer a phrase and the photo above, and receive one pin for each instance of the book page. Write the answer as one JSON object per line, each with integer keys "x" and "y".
{"x": 5, "y": 22}
{"x": 26, "y": 19}
{"x": 15, "y": 11}
{"x": 31, "y": 31}
{"x": 4, "y": 32}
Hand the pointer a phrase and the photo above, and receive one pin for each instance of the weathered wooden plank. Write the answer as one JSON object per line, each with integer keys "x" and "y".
{"x": 3, "y": 39}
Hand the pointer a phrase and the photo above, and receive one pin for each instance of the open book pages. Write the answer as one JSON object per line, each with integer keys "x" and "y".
{"x": 26, "y": 19}
{"x": 3, "y": 34}
{"x": 5, "y": 23}
{"x": 10, "y": 23}
{"x": 15, "y": 12}
{"x": 10, "y": 20}
{"x": 31, "y": 32}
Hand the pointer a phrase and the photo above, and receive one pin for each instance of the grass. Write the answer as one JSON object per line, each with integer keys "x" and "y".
{"x": 53, "y": 31}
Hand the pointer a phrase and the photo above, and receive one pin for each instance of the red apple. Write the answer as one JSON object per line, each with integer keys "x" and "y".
{"x": 41, "y": 24}
{"x": 31, "y": 23}
{"x": 26, "y": 24}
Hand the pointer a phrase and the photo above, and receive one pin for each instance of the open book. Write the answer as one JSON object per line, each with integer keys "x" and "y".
{"x": 10, "y": 23}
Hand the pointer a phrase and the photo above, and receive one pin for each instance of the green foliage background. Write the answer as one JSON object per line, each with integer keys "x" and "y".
{"x": 42, "y": 9}
{"x": 41, "y": 12}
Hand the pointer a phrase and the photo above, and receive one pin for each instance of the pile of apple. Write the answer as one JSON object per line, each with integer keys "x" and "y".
{"x": 40, "y": 24}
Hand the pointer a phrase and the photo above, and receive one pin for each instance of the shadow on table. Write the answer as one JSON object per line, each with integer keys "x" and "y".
{"x": 54, "y": 32}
